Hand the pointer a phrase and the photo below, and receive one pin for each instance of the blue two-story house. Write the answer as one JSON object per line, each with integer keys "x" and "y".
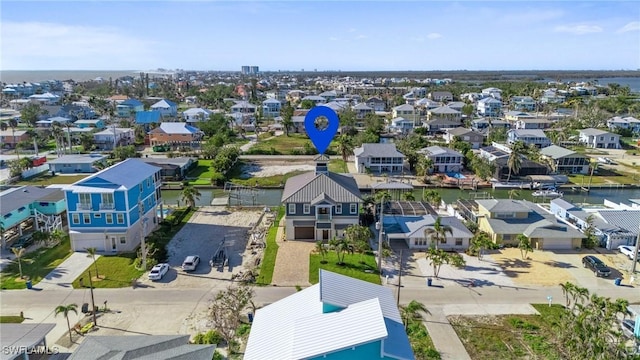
{"x": 320, "y": 204}
{"x": 338, "y": 318}
{"x": 113, "y": 209}
{"x": 129, "y": 107}
{"x": 271, "y": 108}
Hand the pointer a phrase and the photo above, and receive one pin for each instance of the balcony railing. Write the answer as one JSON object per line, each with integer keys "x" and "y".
{"x": 107, "y": 206}
{"x": 84, "y": 206}
{"x": 323, "y": 217}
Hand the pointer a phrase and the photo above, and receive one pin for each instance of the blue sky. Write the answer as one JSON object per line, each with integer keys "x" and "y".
{"x": 322, "y": 35}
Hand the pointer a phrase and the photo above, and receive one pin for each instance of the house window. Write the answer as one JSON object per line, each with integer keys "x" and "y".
{"x": 339, "y": 209}
{"x": 123, "y": 239}
{"x": 443, "y": 240}
{"x": 75, "y": 218}
{"x": 107, "y": 200}
{"x": 109, "y": 218}
{"x": 120, "y": 218}
{"x": 420, "y": 242}
{"x": 353, "y": 208}
{"x": 140, "y": 187}
{"x": 86, "y": 218}
{"x": 85, "y": 200}
{"x": 306, "y": 209}
{"x": 458, "y": 241}
{"x": 149, "y": 182}
{"x": 292, "y": 209}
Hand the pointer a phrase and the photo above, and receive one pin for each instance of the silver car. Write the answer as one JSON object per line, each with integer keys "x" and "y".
{"x": 158, "y": 272}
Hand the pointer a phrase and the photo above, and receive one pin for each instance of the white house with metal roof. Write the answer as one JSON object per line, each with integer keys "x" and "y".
{"x": 444, "y": 159}
{"x": 378, "y": 158}
{"x": 535, "y": 137}
{"x": 628, "y": 122}
{"x": 599, "y": 139}
{"x": 566, "y": 161}
{"x": 416, "y": 232}
{"x": 320, "y": 204}
{"x": 338, "y": 318}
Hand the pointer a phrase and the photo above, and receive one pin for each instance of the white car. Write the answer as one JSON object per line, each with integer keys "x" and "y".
{"x": 630, "y": 251}
{"x": 158, "y": 271}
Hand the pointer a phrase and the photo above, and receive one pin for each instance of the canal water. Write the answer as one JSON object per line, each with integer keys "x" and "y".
{"x": 271, "y": 197}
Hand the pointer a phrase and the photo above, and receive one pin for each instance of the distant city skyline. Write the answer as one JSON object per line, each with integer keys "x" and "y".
{"x": 322, "y": 35}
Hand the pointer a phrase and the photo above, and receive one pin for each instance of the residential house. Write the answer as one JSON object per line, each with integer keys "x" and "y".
{"x": 492, "y": 92}
{"x": 378, "y": 158}
{"x": 440, "y": 96}
{"x": 45, "y": 99}
{"x": 471, "y": 137}
{"x": 445, "y": 160}
{"x": 552, "y": 96}
{"x": 444, "y": 112}
{"x": 528, "y": 137}
{"x": 494, "y": 151}
{"x": 599, "y": 139}
{"x": 376, "y": 104}
{"x": 362, "y": 110}
{"x": 527, "y": 168}
{"x": 401, "y": 125}
{"x": 533, "y": 123}
{"x": 271, "y": 108}
{"x": 62, "y": 121}
{"x": 515, "y": 115}
{"x": 10, "y": 138}
{"x": 173, "y": 169}
{"x": 489, "y": 107}
{"x": 129, "y": 108}
{"x": 167, "y": 108}
{"x": 566, "y": 161}
{"x": 113, "y": 209}
{"x": 427, "y": 104}
{"x": 109, "y": 138}
{"x": 175, "y": 133}
{"x": 196, "y": 114}
{"x": 141, "y": 347}
{"x": 147, "y": 118}
{"x": 43, "y": 207}
{"x": 317, "y": 100}
{"x": 89, "y": 123}
{"x": 485, "y": 123}
{"x": 339, "y": 318}
{"x": 329, "y": 96}
{"x": 441, "y": 125}
{"x": 522, "y": 103}
{"x": 320, "y": 204}
{"x": 295, "y": 95}
{"x": 505, "y": 219}
{"x": 77, "y": 163}
{"x": 456, "y": 105}
{"x": 628, "y": 122}
{"x": 406, "y": 111}
{"x": 613, "y": 226}
{"x": 418, "y": 232}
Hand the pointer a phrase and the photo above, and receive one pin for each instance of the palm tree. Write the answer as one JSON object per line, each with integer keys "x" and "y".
{"x": 567, "y": 289}
{"x": 439, "y": 231}
{"x": 19, "y": 252}
{"x": 513, "y": 193}
{"x": 13, "y": 124}
{"x": 593, "y": 164}
{"x": 92, "y": 252}
{"x": 42, "y": 237}
{"x": 423, "y": 168}
{"x": 287, "y": 114}
{"x": 524, "y": 244}
{"x": 345, "y": 147}
{"x": 65, "y": 310}
{"x": 408, "y": 196}
{"x": 481, "y": 241}
{"x": 513, "y": 163}
{"x": 321, "y": 249}
{"x": 58, "y": 236}
{"x": 58, "y": 134}
{"x": 190, "y": 195}
{"x": 411, "y": 312}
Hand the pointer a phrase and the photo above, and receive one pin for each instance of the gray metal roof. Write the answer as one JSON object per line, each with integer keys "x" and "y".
{"x": 178, "y": 161}
{"x": 22, "y": 336}
{"x": 504, "y": 205}
{"x": 16, "y": 198}
{"x": 439, "y": 150}
{"x": 625, "y": 219}
{"x": 529, "y": 132}
{"x": 304, "y": 188}
{"x": 563, "y": 204}
{"x": 414, "y": 226}
{"x": 558, "y": 152}
{"x": 593, "y": 132}
{"x": 462, "y": 131}
{"x": 377, "y": 150}
{"x": 78, "y": 159}
{"x": 141, "y": 347}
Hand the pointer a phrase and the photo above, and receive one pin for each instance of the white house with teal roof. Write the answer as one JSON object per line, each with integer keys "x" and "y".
{"x": 338, "y": 318}
{"x": 113, "y": 209}
{"x": 167, "y": 108}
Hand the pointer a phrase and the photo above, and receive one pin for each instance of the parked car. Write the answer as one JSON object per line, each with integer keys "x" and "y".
{"x": 630, "y": 251}
{"x": 158, "y": 271}
{"x": 23, "y": 242}
{"x": 190, "y": 263}
{"x": 628, "y": 327}
{"x": 596, "y": 265}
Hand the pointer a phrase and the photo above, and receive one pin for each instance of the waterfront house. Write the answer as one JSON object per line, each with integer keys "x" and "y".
{"x": 494, "y": 151}
{"x": 106, "y": 139}
{"x": 175, "y": 134}
{"x": 173, "y": 169}
{"x": 195, "y": 115}
{"x": 320, "y": 204}
{"x": 528, "y": 137}
{"x": 89, "y": 123}
{"x": 505, "y": 219}
{"x": 378, "y": 158}
{"x": 445, "y": 160}
{"x": 411, "y": 230}
{"x": 471, "y": 137}
{"x": 271, "y": 108}
{"x": 167, "y": 108}
{"x": 489, "y": 107}
{"x": 566, "y": 161}
{"x": 628, "y": 122}
{"x": 527, "y": 168}
{"x": 128, "y": 108}
{"x": 113, "y": 209}
{"x": 77, "y": 163}
{"x": 339, "y": 318}
{"x": 599, "y": 139}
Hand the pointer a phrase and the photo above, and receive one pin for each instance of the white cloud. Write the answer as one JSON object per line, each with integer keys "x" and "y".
{"x": 578, "y": 29}
{"x": 39, "y": 45}
{"x": 632, "y": 26}
{"x": 433, "y": 36}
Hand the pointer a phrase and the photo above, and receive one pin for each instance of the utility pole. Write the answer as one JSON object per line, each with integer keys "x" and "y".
{"x": 399, "y": 279}
{"x": 635, "y": 256}
{"x": 380, "y": 228}
{"x": 93, "y": 304}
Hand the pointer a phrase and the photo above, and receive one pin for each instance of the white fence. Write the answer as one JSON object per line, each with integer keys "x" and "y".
{"x": 35, "y": 171}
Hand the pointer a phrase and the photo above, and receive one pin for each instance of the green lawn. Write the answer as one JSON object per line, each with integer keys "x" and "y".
{"x": 355, "y": 266}
{"x": 510, "y": 336}
{"x": 201, "y": 173}
{"x": 16, "y": 319}
{"x": 49, "y": 180}
{"x": 271, "y": 251}
{"x": 268, "y": 181}
{"x": 36, "y": 265}
{"x": 281, "y": 144}
{"x": 115, "y": 272}
{"x": 338, "y": 165}
{"x": 420, "y": 340}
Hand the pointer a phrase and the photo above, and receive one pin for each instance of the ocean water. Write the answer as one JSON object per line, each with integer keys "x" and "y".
{"x": 18, "y": 76}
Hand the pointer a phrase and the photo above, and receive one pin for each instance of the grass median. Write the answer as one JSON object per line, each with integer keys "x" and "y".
{"x": 270, "y": 252}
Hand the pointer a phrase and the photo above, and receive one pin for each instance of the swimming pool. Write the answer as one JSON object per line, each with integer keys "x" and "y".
{"x": 456, "y": 175}
{"x": 165, "y": 212}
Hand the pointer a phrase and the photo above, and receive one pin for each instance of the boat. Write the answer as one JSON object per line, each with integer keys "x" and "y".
{"x": 549, "y": 193}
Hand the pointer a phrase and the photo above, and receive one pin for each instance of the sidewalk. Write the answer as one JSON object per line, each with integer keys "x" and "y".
{"x": 65, "y": 273}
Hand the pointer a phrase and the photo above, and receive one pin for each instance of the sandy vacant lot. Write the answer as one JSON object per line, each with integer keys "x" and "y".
{"x": 264, "y": 170}
{"x": 540, "y": 268}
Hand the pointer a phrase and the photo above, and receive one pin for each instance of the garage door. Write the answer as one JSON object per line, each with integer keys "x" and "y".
{"x": 552, "y": 244}
{"x": 304, "y": 233}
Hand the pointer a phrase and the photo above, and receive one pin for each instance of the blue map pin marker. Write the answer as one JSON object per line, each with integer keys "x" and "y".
{"x": 321, "y": 138}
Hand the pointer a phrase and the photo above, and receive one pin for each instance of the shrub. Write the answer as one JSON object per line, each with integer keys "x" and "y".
{"x": 210, "y": 337}
{"x": 218, "y": 179}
